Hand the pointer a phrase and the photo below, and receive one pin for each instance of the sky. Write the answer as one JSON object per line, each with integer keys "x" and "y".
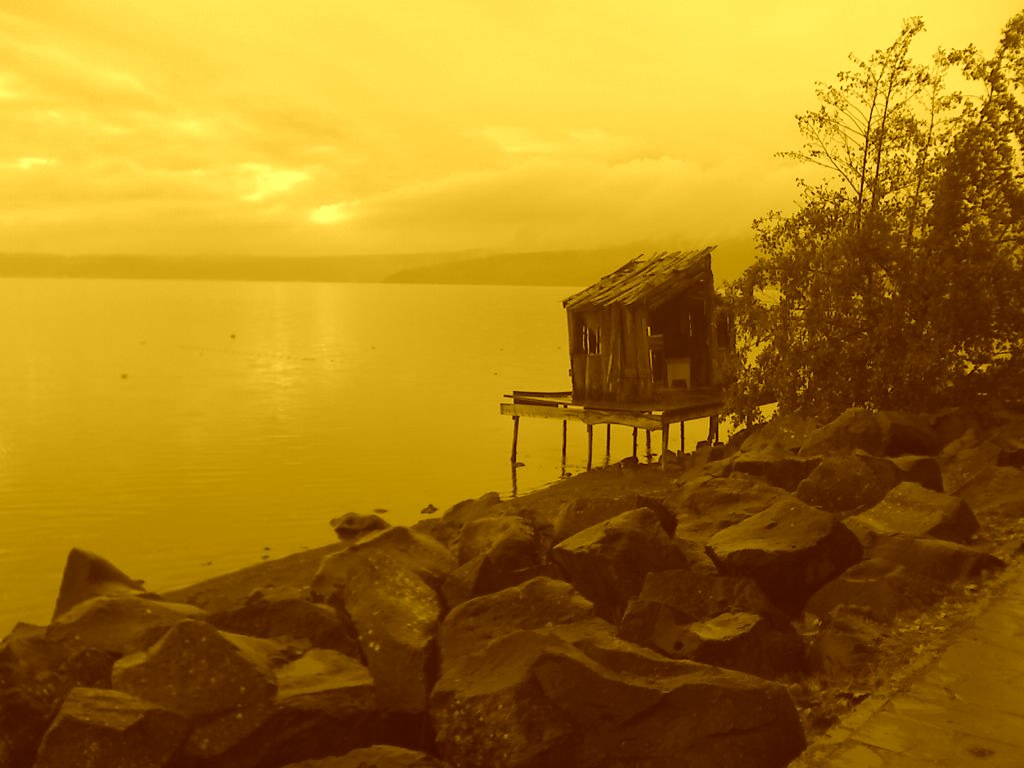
{"x": 332, "y": 127}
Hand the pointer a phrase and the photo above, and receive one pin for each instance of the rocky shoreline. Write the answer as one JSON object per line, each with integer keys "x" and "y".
{"x": 720, "y": 613}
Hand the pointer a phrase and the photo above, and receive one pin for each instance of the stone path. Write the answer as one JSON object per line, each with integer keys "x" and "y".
{"x": 964, "y": 708}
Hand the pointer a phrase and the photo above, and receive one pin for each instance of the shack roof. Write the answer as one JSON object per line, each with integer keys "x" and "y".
{"x": 649, "y": 280}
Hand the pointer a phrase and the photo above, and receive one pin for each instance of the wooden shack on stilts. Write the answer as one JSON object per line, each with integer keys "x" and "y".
{"x": 646, "y": 347}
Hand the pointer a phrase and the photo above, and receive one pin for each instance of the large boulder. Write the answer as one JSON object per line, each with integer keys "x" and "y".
{"x": 945, "y": 561}
{"x": 876, "y": 588}
{"x": 533, "y": 698}
{"x": 377, "y": 756}
{"x": 448, "y": 527}
{"x": 996, "y": 494}
{"x": 120, "y": 624}
{"x": 907, "y": 433}
{"x": 36, "y": 674}
{"x": 607, "y": 562}
{"x": 87, "y": 575}
{"x": 495, "y": 553}
{"x": 695, "y": 595}
{"x": 964, "y": 459}
{"x": 325, "y": 705}
{"x": 97, "y": 728}
{"x": 786, "y": 433}
{"x": 197, "y": 670}
{"x": 914, "y": 510}
{"x": 540, "y": 602}
{"x": 777, "y": 466}
{"x": 699, "y": 505}
{"x": 843, "y": 482}
{"x": 855, "y": 428}
{"x": 388, "y": 584}
{"x": 746, "y": 642}
{"x": 579, "y": 514}
{"x": 791, "y": 549}
{"x": 723, "y": 620}
{"x": 286, "y": 613}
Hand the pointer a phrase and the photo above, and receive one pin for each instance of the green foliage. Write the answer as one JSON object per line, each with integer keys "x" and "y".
{"x": 898, "y": 281}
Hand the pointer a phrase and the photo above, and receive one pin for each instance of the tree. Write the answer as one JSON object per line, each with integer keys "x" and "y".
{"x": 896, "y": 282}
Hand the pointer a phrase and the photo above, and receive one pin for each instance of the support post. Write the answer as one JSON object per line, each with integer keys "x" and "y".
{"x": 648, "y": 445}
{"x": 682, "y": 437}
{"x": 608, "y": 444}
{"x": 664, "y": 445}
{"x": 590, "y": 446}
{"x": 634, "y": 442}
{"x": 515, "y": 438}
{"x": 713, "y": 430}
{"x": 564, "y": 430}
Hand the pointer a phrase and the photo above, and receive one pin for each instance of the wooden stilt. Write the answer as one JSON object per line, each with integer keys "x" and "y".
{"x": 590, "y": 446}
{"x": 648, "y": 445}
{"x": 515, "y": 438}
{"x": 608, "y": 444}
{"x": 664, "y": 445}
{"x": 565, "y": 427}
{"x": 682, "y": 437}
{"x": 634, "y": 442}
{"x": 713, "y": 429}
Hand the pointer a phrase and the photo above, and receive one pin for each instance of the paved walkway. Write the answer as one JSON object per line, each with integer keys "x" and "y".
{"x": 964, "y": 708}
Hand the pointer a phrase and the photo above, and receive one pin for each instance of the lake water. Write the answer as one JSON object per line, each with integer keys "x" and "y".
{"x": 186, "y": 428}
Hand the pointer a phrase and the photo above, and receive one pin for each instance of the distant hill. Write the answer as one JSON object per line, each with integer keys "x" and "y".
{"x": 359, "y": 269}
{"x": 570, "y": 268}
{"x": 556, "y": 268}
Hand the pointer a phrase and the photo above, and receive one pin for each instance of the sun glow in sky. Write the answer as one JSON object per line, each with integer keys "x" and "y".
{"x": 320, "y": 127}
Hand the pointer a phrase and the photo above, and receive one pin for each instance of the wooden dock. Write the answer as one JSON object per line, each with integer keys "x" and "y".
{"x": 671, "y": 407}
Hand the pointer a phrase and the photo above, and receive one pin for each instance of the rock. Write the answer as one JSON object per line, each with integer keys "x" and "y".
{"x": 35, "y": 676}
{"x": 283, "y": 612}
{"x": 579, "y": 514}
{"x": 786, "y": 433}
{"x": 352, "y": 525}
{"x": 844, "y": 482}
{"x": 709, "y": 497}
{"x": 854, "y": 428}
{"x": 540, "y": 602}
{"x": 745, "y": 642}
{"x": 496, "y": 552}
{"x": 777, "y": 466}
{"x": 379, "y": 756}
{"x": 122, "y": 624}
{"x": 679, "y": 597}
{"x": 907, "y": 433}
{"x": 388, "y": 583}
{"x": 995, "y": 494}
{"x": 790, "y": 550}
{"x": 923, "y": 470}
{"x": 87, "y": 575}
{"x": 447, "y": 528}
{"x": 98, "y": 728}
{"x": 197, "y": 670}
{"x": 914, "y": 510}
{"x": 607, "y": 562}
{"x": 877, "y": 588}
{"x": 325, "y": 706}
{"x": 964, "y": 459}
{"x": 534, "y": 699}
{"x": 945, "y": 561}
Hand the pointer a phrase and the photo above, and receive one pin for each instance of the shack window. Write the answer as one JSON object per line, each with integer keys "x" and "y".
{"x": 590, "y": 340}
{"x": 725, "y": 332}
